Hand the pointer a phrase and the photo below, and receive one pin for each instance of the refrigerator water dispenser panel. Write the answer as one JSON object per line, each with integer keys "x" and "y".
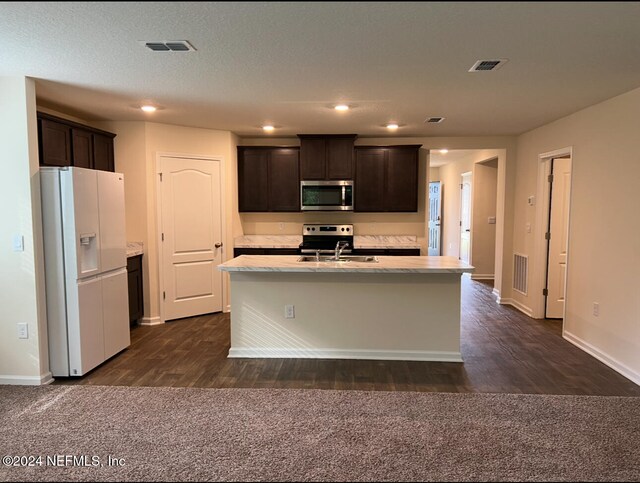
{"x": 88, "y": 253}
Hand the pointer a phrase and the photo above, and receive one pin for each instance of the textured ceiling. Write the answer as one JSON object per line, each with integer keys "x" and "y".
{"x": 288, "y": 63}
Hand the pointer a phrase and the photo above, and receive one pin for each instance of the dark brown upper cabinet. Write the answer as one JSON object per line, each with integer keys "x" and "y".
{"x": 55, "y": 143}
{"x": 67, "y": 143}
{"x": 326, "y": 157}
{"x": 103, "y": 152}
{"x": 386, "y": 178}
{"x": 82, "y": 143}
{"x": 268, "y": 179}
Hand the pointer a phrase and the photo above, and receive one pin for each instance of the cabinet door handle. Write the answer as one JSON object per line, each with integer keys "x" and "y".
{"x": 218, "y": 245}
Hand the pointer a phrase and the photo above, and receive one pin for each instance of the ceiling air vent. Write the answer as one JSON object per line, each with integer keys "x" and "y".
{"x": 169, "y": 46}
{"x": 434, "y": 119}
{"x": 487, "y": 65}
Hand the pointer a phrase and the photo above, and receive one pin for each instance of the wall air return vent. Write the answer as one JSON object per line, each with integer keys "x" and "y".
{"x": 520, "y": 272}
{"x": 487, "y": 65}
{"x": 168, "y": 46}
{"x": 436, "y": 120}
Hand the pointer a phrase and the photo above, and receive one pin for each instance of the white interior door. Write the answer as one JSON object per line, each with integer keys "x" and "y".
{"x": 465, "y": 217}
{"x": 435, "y": 218}
{"x": 191, "y": 225}
{"x": 559, "y": 236}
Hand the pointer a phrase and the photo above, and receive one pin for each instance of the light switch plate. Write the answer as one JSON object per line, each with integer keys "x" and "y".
{"x": 18, "y": 243}
{"x": 23, "y": 331}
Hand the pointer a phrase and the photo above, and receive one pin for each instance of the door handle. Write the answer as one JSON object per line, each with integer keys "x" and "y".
{"x": 218, "y": 245}
{"x": 468, "y": 230}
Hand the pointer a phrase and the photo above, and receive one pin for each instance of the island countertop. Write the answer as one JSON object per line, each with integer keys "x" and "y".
{"x": 385, "y": 264}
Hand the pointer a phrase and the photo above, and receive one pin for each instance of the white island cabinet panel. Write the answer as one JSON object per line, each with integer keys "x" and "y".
{"x": 401, "y": 308}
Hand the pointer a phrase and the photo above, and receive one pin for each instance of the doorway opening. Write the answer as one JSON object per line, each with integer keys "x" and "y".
{"x": 435, "y": 219}
{"x": 465, "y": 217}
{"x": 553, "y": 211}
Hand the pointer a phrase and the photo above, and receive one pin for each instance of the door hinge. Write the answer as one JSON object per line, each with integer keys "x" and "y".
{"x": 164, "y": 295}
{"x": 160, "y": 177}
{"x": 163, "y": 237}
{"x": 550, "y": 178}
{"x": 547, "y": 236}
{"x": 545, "y": 292}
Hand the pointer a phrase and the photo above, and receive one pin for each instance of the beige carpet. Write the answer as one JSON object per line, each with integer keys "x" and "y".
{"x": 184, "y": 434}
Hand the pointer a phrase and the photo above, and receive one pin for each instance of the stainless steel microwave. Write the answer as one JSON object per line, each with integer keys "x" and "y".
{"x": 326, "y": 195}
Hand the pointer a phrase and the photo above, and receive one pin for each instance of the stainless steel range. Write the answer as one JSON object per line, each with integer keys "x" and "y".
{"x": 326, "y": 239}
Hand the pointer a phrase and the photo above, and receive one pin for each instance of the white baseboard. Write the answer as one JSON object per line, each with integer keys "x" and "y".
{"x": 227, "y": 309}
{"x": 496, "y": 293}
{"x": 617, "y": 366}
{"x": 150, "y": 321}
{"x": 42, "y": 380}
{"x": 436, "y": 356}
{"x": 514, "y": 303}
{"x": 482, "y": 276}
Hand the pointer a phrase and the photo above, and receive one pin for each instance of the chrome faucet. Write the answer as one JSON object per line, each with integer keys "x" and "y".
{"x": 340, "y": 246}
{"x": 317, "y": 255}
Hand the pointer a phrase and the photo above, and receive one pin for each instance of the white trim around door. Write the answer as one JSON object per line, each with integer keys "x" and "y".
{"x": 539, "y": 276}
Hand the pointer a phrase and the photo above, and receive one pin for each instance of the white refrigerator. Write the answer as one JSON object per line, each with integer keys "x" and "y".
{"x": 85, "y": 267}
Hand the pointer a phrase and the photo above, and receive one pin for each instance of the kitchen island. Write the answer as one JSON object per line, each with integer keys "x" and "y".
{"x": 401, "y": 308}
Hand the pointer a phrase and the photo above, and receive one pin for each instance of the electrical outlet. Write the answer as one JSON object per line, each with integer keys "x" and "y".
{"x": 596, "y": 309}
{"x": 289, "y": 312}
{"x": 281, "y": 226}
{"x": 23, "y": 331}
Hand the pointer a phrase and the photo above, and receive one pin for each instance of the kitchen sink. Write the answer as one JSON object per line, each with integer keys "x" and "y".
{"x": 342, "y": 258}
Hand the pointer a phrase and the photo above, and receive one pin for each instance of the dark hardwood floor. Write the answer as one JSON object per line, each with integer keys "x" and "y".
{"x": 503, "y": 351}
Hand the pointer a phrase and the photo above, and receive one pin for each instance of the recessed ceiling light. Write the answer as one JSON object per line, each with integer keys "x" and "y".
{"x": 148, "y": 108}
{"x": 392, "y": 125}
{"x": 341, "y": 107}
{"x": 444, "y": 151}
{"x": 268, "y": 128}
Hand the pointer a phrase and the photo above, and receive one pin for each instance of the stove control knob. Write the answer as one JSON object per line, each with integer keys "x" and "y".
{"x": 347, "y": 229}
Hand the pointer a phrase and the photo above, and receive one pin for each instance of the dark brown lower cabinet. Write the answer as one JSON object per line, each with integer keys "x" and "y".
{"x": 402, "y": 252}
{"x": 134, "y": 273}
{"x": 265, "y": 251}
{"x": 407, "y": 252}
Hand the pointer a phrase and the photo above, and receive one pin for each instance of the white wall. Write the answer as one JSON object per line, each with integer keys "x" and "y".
{"x": 604, "y": 232}
{"x": 22, "y": 289}
{"x": 137, "y": 146}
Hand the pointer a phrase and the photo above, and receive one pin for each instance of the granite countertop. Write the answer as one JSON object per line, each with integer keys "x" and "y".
{"x": 359, "y": 241}
{"x": 134, "y": 249}
{"x": 390, "y": 264}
